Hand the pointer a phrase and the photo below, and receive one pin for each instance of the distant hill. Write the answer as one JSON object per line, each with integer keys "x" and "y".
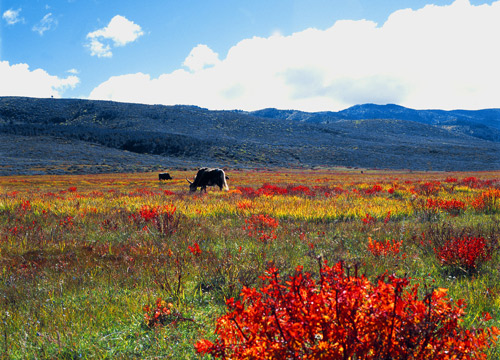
{"x": 82, "y": 136}
{"x": 483, "y": 124}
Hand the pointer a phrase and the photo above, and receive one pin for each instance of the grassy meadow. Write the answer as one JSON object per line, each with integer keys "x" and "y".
{"x": 84, "y": 258}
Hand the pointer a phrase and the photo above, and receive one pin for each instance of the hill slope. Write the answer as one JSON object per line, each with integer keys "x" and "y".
{"x": 483, "y": 124}
{"x": 71, "y": 135}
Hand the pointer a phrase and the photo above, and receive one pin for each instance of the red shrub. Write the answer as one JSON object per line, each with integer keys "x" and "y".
{"x": 467, "y": 252}
{"x": 245, "y": 205}
{"x": 195, "y": 249}
{"x": 375, "y": 189}
{"x": 142, "y": 192}
{"x": 427, "y": 189}
{"x": 385, "y": 248}
{"x": 368, "y": 219}
{"x": 387, "y": 217}
{"x": 161, "y": 314}
{"x": 453, "y": 206}
{"x": 162, "y": 218}
{"x": 25, "y": 205}
{"x": 261, "y": 226}
{"x": 272, "y": 190}
{"x": 66, "y": 222}
{"x": 329, "y": 191}
{"x": 300, "y": 189}
{"x": 344, "y": 317}
{"x": 247, "y": 191}
{"x": 148, "y": 213}
{"x": 157, "y": 315}
{"x": 153, "y": 213}
{"x": 475, "y": 183}
{"x": 488, "y": 202}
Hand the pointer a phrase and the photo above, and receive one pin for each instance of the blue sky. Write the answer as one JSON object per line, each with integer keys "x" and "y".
{"x": 310, "y": 55}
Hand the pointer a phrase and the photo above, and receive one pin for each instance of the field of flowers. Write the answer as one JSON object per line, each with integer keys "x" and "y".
{"x": 329, "y": 262}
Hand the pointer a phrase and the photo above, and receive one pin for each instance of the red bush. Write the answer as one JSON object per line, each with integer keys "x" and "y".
{"x": 368, "y": 219}
{"x": 270, "y": 190}
{"x": 385, "y": 248}
{"x": 329, "y": 191}
{"x": 475, "y": 183}
{"x": 158, "y": 315}
{"x": 162, "y": 314}
{"x": 344, "y": 317}
{"x": 487, "y": 202}
{"x": 162, "y": 218}
{"x": 265, "y": 189}
{"x": 148, "y": 213}
{"x": 247, "y": 191}
{"x": 261, "y": 226}
{"x": 452, "y": 206}
{"x": 152, "y": 213}
{"x": 375, "y": 189}
{"x": 25, "y": 206}
{"x": 467, "y": 252}
{"x": 300, "y": 189}
{"x": 428, "y": 188}
{"x": 195, "y": 249}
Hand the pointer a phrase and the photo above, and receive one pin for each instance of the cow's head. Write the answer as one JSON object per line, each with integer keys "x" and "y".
{"x": 192, "y": 186}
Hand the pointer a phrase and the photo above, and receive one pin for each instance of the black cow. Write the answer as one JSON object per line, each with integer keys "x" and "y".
{"x": 208, "y": 177}
{"x": 164, "y": 176}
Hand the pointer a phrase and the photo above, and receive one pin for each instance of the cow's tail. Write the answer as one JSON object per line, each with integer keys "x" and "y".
{"x": 224, "y": 183}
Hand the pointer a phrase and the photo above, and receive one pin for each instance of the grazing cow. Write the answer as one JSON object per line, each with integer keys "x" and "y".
{"x": 208, "y": 177}
{"x": 164, "y": 176}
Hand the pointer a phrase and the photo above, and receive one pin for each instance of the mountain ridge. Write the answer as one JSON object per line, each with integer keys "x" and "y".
{"x": 484, "y": 123}
{"x": 143, "y": 137}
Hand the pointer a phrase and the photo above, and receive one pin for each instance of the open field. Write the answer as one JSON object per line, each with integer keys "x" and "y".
{"x": 82, "y": 256}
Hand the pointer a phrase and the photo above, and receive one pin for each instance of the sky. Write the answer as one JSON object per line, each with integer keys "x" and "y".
{"x": 309, "y": 55}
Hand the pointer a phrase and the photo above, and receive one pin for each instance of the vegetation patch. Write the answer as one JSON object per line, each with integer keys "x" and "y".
{"x": 286, "y": 264}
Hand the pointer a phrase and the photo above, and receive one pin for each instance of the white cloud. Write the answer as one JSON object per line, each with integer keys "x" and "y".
{"x": 19, "y": 80}
{"x": 434, "y": 57}
{"x": 48, "y": 22}
{"x": 201, "y": 57}
{"x": 98, "y": 49}
{"x": 119, "y": 32}
{"x": 73, "y": 71}
{"x": 12, "y": 16}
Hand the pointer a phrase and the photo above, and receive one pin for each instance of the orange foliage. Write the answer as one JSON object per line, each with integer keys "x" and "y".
{"x": 344, "y": 317}
{"x": 487, "y": 201}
